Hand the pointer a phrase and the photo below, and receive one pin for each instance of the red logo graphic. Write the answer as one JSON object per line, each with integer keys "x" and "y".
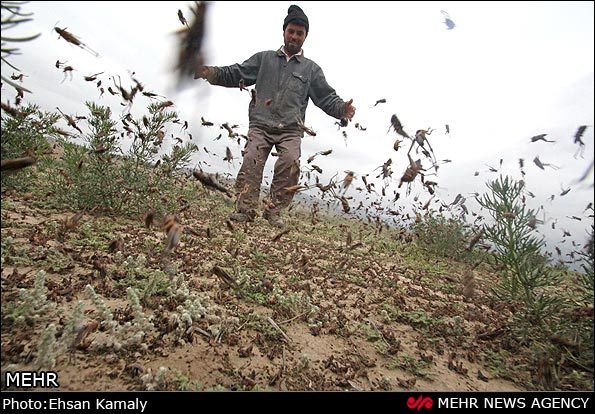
{"x": 420, "y": 402}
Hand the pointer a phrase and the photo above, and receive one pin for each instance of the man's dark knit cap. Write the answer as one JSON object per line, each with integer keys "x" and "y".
{"x": 297, "y": 16}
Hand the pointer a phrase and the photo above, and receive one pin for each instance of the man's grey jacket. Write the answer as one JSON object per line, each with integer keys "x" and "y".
{"x": 282, "y": 89}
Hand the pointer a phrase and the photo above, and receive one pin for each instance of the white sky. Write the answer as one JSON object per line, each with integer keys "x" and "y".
{"x": 506, "y": 72}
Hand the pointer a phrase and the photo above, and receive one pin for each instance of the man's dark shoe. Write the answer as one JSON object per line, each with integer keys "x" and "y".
{"x": 240, "y": 217}
{"x": 274, "y": 219}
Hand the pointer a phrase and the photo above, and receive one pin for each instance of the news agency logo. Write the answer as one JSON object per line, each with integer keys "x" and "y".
{"x": 30, "y": 379}
{"x": 420, "y": 403}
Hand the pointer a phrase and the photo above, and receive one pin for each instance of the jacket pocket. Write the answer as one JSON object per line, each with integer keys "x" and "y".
{"x": 297, "y": 83}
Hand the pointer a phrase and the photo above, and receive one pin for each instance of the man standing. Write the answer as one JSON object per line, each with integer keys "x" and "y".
{"x": 285, "y": 80}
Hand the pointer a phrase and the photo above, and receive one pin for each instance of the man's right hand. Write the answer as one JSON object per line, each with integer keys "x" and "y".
{"x": 202, "y": 72}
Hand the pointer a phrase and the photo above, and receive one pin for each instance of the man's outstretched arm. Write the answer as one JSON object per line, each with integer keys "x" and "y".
{"x": 230, "y": 75}
{"x": 325, "y": 97}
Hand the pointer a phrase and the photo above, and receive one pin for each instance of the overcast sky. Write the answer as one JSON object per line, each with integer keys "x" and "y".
{"x": 506, "y": 72}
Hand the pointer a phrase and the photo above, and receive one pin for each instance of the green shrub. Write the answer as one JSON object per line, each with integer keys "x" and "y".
{"x": 527, "y": 282}
{"x": 442, "y": 236}
{"x": 28, "y": 133}
{"x": 586, "y": 279}
{"x": 102, "y": 174}
{"x": 89, "y": 176}
{"x": 518, "y": 251}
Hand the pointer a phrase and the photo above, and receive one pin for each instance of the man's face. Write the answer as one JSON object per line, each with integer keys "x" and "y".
{"x": 294, "y": 36}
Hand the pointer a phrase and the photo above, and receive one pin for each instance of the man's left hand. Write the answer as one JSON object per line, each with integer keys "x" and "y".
{"x": 349, "y": 110}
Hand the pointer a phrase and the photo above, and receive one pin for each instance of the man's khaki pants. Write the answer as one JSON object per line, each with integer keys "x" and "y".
{"x": 286, "y": 172}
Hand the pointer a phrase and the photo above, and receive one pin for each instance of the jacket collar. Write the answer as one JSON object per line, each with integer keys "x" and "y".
{"x": 280, "y": 52}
